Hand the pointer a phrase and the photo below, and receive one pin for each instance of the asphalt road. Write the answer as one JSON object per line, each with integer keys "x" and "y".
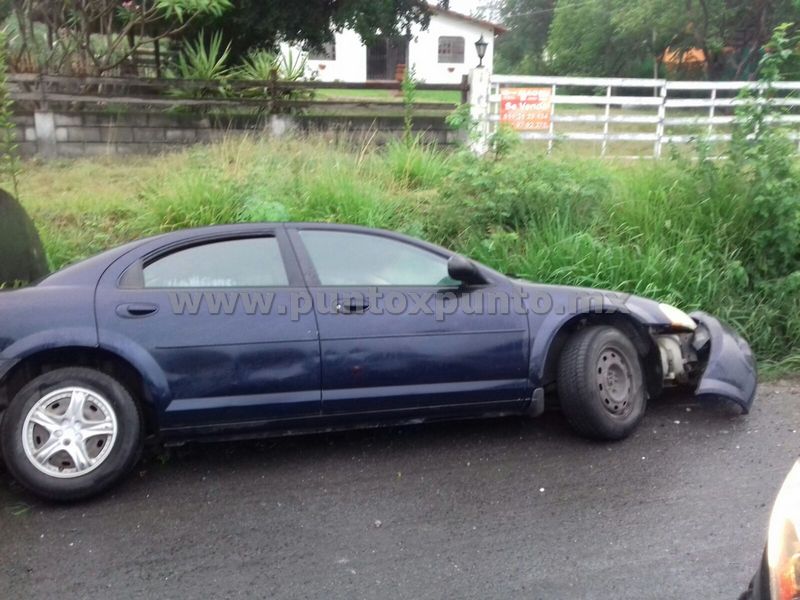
{"x": 484, "y": 509}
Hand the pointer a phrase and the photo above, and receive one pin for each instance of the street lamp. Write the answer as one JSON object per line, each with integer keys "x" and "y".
{"x": 481, "y": 46}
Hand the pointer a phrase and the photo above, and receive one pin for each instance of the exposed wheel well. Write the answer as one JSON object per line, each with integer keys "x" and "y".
{"x": 95, "y": 358}
{"x": 638, "y": 334}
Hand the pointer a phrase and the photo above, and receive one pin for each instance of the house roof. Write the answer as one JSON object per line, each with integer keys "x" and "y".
{"x": 688, "y": 56}
{"x": 497, "y": 29}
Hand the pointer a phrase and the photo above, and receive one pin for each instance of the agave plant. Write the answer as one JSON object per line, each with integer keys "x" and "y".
{"x": 292, "y": 65}
{"x": 205, "y": 62}
{"x": 263, "y": 65}
{"x": 258, "y": 65}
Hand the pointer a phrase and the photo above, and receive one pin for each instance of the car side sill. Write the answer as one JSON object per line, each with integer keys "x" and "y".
{"x": 339, "y": 422}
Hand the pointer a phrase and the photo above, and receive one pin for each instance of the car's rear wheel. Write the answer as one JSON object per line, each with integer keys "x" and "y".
{"x": 600, "y": 383}
{"x": 71, "y": 433}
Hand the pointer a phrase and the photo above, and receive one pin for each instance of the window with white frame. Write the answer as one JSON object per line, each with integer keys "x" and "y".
{"x": 451, "y": 49}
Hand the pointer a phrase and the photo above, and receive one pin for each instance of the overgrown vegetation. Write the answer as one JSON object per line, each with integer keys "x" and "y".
{"x": 94, "y": 37}
{"x": 23, "y": 257}
{"x": 97, "y": 37}
{"x": 692, "y": 233}
{"x": 409, "y": 89}
{"x": 9, "y": 155}
{"x": 207, "y": 60}
{"x": 721, "y": 236}
{"x": 204, "y": 61}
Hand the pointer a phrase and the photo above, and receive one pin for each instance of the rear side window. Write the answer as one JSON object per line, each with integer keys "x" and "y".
{"x": 249, "y": 262}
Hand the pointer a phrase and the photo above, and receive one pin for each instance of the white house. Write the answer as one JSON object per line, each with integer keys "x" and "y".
{"x": 442, "y": 53}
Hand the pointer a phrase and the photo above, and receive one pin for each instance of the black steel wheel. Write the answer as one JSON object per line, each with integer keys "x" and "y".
{"x": 601, "y": 384}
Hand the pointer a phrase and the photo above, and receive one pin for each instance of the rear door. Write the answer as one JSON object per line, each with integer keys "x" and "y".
{"x": 212, "y": 314}
{"x": 396, "y": 333}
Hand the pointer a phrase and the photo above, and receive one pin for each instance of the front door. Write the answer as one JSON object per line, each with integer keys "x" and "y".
{"x": 384, "y": 55}
{"x": 396, "y": 333}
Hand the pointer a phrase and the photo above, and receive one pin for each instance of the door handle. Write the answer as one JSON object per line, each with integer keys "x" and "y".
{"x": 136, "y": 309}
{"x": 351, "y": 306}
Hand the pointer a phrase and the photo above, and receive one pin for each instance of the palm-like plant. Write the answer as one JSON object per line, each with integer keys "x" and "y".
{"x": 258, "y": 65}
{"x": 291, "y": 65}
{"x": 203, "y": 62}
{"x": 264, "y": 66}
{"x": 206, "y": 62}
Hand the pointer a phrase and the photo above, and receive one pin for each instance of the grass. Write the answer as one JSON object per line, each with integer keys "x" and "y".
{"x": 665, "y": 229}
{"x": 82, "y": 207}
{"x": 444, "y": 96}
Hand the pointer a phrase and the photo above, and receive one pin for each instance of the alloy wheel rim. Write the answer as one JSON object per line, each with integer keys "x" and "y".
{"x": 69, "y": 432}
{"x": 614, "y": 382}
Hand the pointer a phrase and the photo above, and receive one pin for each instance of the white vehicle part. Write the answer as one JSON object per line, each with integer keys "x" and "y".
{"x": 672, "y": 363}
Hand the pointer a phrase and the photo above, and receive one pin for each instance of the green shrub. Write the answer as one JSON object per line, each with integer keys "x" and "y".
{"x": 291, "y": 65}
{"x": 203, "y": 62}
{"x": 258, "y": 65}
{"x": 696, "y": 234}
{"x": 524, "y": 191}
{"x": 258, "y": 210}
{"x": 722, "y": 238}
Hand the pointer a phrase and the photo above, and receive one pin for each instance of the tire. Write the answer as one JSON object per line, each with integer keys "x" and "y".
{"x": 601, "y": 384}
{"x": 71, "y": 433}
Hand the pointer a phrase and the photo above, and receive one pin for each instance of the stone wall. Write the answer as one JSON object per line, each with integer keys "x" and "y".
{"x": 73, "y": 134}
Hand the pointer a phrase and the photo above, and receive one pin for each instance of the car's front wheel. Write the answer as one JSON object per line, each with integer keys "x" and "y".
{"x": 600, "y": 383}
{"x": 71, "y": 433}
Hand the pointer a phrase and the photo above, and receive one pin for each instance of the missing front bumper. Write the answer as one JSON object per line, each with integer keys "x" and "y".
{"x": 727, "y": 362}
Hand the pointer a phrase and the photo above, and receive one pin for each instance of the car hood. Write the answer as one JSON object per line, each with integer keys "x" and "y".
{"x": 565, "y": 300}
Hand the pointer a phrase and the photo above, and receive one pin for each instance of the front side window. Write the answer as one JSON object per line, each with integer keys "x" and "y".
{"x": 247, "y": 262}
{"x": 354, "y": 259}
{"x": 451, "y": 49}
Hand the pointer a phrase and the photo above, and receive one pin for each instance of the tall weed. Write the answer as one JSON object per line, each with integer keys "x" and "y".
{"x": 696, "y": 234}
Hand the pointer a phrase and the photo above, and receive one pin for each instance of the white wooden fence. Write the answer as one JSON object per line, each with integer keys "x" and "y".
{"x": 634, "y": 118}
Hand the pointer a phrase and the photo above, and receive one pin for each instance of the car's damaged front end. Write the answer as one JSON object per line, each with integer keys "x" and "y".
{"x": 696, "y": 352}
{"x": 709, "y": 357}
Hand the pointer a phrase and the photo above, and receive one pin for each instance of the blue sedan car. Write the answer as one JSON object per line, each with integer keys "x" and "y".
{"x": 268, "y": 329}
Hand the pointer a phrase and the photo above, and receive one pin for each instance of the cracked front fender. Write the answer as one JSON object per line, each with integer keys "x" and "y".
{"x": 730, "y": 367}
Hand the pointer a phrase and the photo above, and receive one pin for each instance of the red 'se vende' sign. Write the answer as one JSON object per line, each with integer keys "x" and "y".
{"x": 526, "y": 109}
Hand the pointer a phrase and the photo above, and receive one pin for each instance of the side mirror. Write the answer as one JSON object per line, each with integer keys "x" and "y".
{"x": 464, "y": 270}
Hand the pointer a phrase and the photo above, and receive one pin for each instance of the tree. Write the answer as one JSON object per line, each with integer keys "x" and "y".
{"x": 574, "y": 37}
{"x": 262, "y": 23}
{"x": 584, "y": 40}
{"x": 616, "y": 37}
{"x": 730, "y": 33}
{"x": 521, "y": 49}
{"x": 96, "y": 36}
